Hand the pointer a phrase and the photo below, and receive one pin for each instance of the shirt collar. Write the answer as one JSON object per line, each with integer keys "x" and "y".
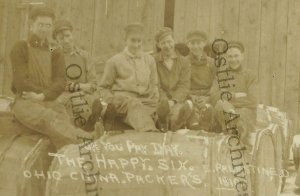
{"x": 161, "y": 57}
{"x": 196, "y": 61}
{"x": 132, "y": 56}
{"x": 36, "y": 42}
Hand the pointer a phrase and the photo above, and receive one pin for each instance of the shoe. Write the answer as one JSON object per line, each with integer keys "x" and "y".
{"x": 206, "y": 119}
{"x": 94, "y": 117}
{"x": 162, "y": 111}
{"x": 109, "y": 117}
{"x": 183, "y": 115}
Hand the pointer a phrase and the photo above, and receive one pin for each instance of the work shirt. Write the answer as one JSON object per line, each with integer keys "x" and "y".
{"x": 38, "y": 69}
{"x": 129, "y": 75}
{"x": 203, "y": 73}
{"x": 80, "y": 68}
{"x": 244, "y": 81}
{"x": 175, "y": 82}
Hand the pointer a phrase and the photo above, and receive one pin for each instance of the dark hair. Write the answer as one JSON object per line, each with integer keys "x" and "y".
{"x": 182, "y": 49}
{"x": 42, "y": 11}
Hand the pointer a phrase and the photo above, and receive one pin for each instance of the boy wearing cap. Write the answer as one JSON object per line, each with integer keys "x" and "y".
{"x": 203, "y": 73}
{"x": 234, "y": 92}
{"x": 129, "y": 82}
{"x": 174, "y": 75}
{"x": 38, "y": 79}
{"x": 81, "y": 78}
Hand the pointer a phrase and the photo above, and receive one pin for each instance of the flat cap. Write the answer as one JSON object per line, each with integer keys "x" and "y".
{"x": 136, "y": 28}
{"x": 196, "y": 35}
{"x": 163, "y": 32}
{"x": 61, "y": 25}
{"x": 236, "y": 44}
{"x": 42, "y": 11}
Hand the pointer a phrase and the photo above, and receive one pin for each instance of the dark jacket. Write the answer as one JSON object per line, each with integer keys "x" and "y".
{"x": 175, "y": 83}
{"x": 21, "y": 80}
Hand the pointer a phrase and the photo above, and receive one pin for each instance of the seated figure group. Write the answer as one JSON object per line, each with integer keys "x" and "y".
{"x": 58, "y": 93}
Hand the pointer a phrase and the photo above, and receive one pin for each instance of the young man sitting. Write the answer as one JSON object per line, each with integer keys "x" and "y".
{"x": 38, "y": 79}
{"x": 129, "y": 83}
{"x": 174, "y": 75}
{"x": 80, "y": 99}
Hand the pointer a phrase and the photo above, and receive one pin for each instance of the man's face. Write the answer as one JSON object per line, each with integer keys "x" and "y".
{"x": 134, "y": 43}
{"x": 65, "y": 39}
{"x": 167, "y": 45}
{"x": 234, "y": 58}
{"x": 42, "y": 26}
{"x": 196, "y": 46}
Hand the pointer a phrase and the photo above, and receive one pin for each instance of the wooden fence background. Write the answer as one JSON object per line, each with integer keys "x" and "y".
{"x": 270, "y": 31}
{"x": 98, "y": 25}
{"x": 268, "y": 28}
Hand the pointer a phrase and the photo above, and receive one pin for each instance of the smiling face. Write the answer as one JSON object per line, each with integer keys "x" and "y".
{"x": 134, "y": 43}
{"x": 196, "y": 46}
{"x": 42, "y": 26}
{"x": 167, "y": 45}
{"x": 234, "y": 57}
{"x": 65, "y": 39}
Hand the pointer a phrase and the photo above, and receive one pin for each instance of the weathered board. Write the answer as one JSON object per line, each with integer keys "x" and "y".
{"x": 269, "y": 30}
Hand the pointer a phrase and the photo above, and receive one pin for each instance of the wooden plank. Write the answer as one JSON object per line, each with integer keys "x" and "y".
{"x": 82, "y": 16}
{"x": 292, "y": 65}
{"x": 148, "y": 19}
{"x": 279, "y": 56}
{"x": 105, "y": 27}
{"x": 12, "y": 36}
{"x": 158, "y": 13}
{"x": 190, "y": 19}
{"x": 179, "y": 19}
{"x": 62, "y": 8}
{"x": 158, "y": 20}
{"x": 249, "y": 33}
{"x": 297, "y": 29}
{"x": 77, "y": 13}
{"x": 89, "y": 21}
{"x": 119, "y": 21}
{"x": 98, "y": 27}
{"x": 169, "y": 13}
{"x": 266, "y": 50}
{"x": 3, "y": 32}
{"x": 216, "y": 28}
{"x": 230, "y": 19}
{"x": 203, "y": 16}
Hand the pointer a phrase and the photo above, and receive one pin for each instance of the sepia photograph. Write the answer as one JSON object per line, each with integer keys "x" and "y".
{"x": 149, "y": 97}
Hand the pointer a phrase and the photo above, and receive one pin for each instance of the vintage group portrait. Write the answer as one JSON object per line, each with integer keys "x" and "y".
{"x": 149, "y": 97}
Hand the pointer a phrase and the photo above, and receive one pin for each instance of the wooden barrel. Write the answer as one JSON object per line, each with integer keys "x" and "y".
{"x": 266, "y": 166}
{"x": 23, "y": 158}
{"x": 145, "y": 164}
{"x": 267, "y": 115}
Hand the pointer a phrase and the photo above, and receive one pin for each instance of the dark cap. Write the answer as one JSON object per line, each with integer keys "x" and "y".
{"x": 134, "y": 28}
{"x": 236, "y": 44}
{"x": 196, "y": 35}
{"x": 61, "y": 25}
{"x": 163, "y": 32}
{"x": 42, "y": 11}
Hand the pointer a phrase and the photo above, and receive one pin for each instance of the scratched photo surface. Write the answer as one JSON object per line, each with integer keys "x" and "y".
{"x": 149, "y": 97}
